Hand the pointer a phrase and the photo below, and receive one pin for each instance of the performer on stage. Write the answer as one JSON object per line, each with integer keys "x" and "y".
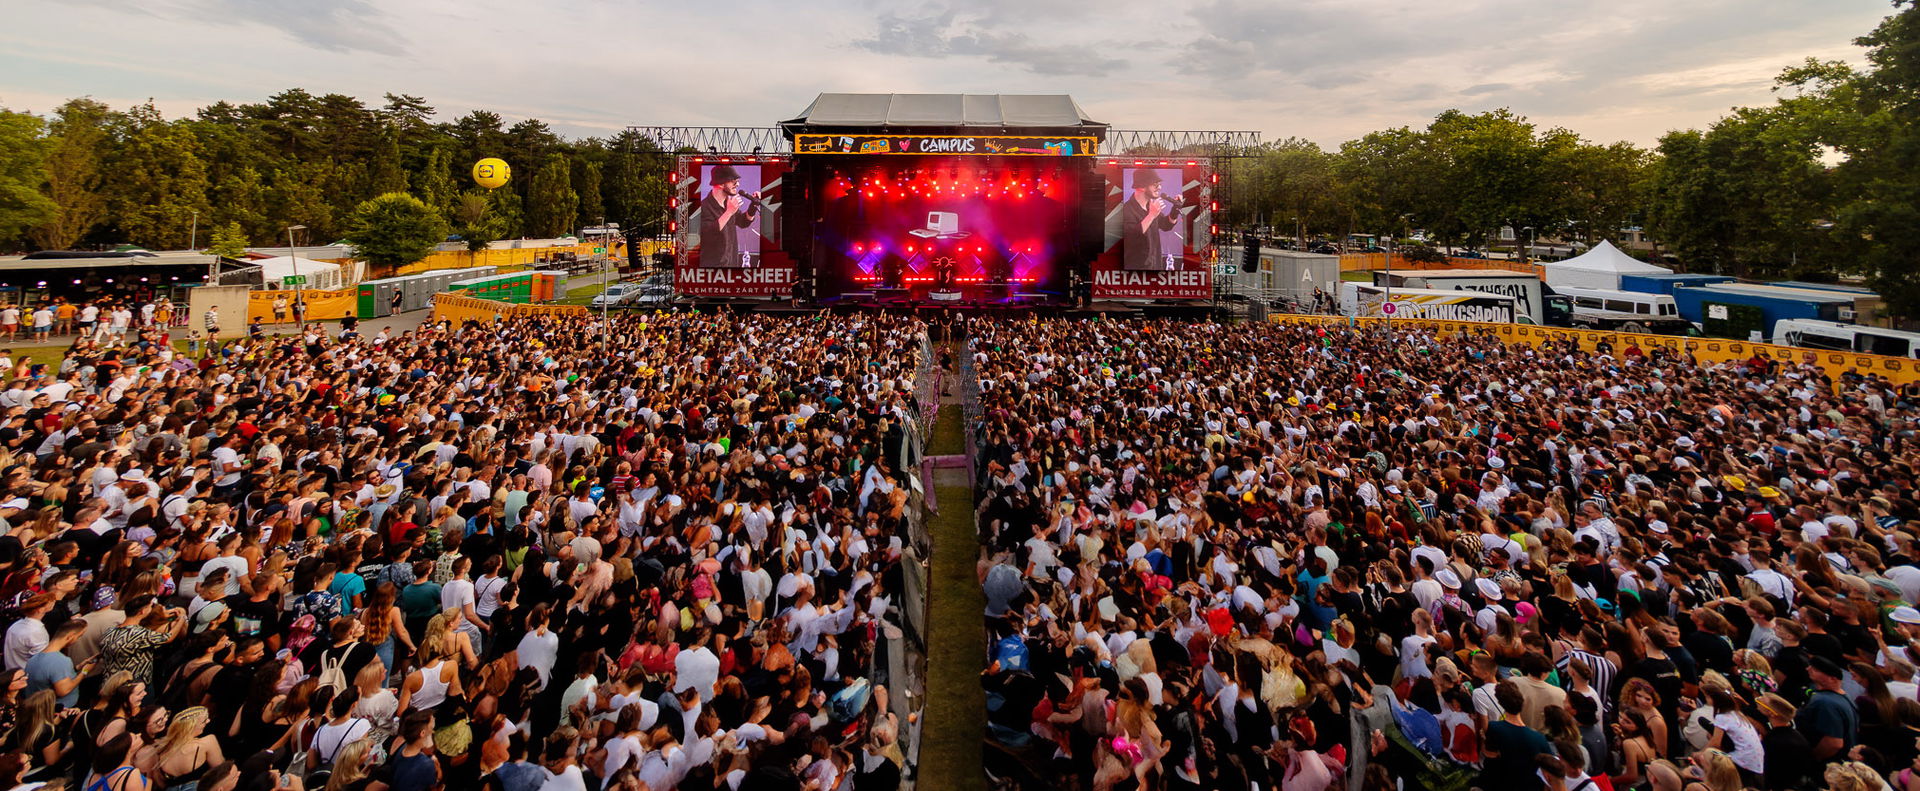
{"x": 943, "y": 274}
{"x": 1142, "y": 220}
{"x": 726, "y": 222}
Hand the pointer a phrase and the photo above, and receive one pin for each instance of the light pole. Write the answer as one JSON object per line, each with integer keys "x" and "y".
{"x": 1527, "y": 252}
{"x": 193, "y": 231}
{"x": 299, "y": 286}
{"x": 1388, "y": 307}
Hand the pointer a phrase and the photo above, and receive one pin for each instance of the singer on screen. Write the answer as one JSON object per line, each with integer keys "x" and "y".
{"x": 1144, "y": 219}
{"x": 726, "y": 221}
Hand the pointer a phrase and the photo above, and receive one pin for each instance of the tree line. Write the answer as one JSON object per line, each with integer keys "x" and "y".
{"x": 89, "y": 175}
{"x": 1823, "y": 182}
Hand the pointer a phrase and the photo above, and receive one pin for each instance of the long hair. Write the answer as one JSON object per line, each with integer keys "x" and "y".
{"x": 349, "y": 765}
{"x": 182, "y": 731}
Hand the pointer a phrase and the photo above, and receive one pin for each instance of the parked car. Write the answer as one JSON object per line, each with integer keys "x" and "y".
{"x": 618, "y": 295}
{"x": 654, "y": 297}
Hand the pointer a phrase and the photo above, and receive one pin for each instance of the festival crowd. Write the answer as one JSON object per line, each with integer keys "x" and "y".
{"x": 539, "y": 554}
{"x": 1304, "y": 557}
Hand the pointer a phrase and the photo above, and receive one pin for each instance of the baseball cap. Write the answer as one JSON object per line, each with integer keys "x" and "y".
{"x": 1906, "y": 615}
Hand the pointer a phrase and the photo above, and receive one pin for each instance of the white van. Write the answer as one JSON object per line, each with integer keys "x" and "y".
{"x": 1626, "y": 311}
{"x": 1835, "y": 336}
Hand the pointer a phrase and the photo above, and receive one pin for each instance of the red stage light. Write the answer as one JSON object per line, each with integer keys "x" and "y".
{"x": 859, "y": 248}
{"x": 1163, "y": 162}
{"x": 672, "y": 177}
{"x": 1213, "y": 206}
{"x": 1213, "y": 178}
{"x": 910, "y": 248}
{"x": 1191, "y": 163}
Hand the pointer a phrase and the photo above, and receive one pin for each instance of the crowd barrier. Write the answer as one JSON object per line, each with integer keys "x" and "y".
{"x": 321, "y": 305}
{"x": 1364, "y": 262}
{"x": 1898, "y": 370}
{"x": 458, "y": 308}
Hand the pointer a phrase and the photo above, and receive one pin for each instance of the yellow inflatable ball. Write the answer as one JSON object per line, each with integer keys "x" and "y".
{"x": 491, "y": 173}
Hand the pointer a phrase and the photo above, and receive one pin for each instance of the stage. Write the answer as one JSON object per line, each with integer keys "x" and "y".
{"x": 906, "y": 201}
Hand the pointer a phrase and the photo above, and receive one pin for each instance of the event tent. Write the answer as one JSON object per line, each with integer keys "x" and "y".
{"x": 1600, "y": 267}
{"x": 319, "y": 274}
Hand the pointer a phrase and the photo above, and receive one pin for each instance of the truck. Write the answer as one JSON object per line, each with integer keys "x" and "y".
{"x": 1699, "y": 303}
{"x": 1539, "y": 304}
{"x": 1360, "y": 299}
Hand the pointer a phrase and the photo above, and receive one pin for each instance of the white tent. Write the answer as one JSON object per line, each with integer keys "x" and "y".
{"x": 1600, "y": 267}
{"x": 319, "y": 274}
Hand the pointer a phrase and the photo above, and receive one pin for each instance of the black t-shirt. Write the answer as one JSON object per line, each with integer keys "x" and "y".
{"x": 1513, "y": 769}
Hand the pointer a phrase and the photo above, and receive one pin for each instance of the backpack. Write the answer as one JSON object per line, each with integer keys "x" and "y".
{"x": 1011, "y": 653}
{"x": 332, "y": 671}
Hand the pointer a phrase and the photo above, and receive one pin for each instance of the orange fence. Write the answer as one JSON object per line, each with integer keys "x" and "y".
{"x": 1898, "y": 370}
{"x": 1361, "y": 262}
{"x": 321, "y": 305}
{"x": 458, "y": 308}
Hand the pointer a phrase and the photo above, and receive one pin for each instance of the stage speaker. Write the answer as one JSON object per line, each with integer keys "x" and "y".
{"x": 797, "y": 218}
{"x": 1091, "y": 230}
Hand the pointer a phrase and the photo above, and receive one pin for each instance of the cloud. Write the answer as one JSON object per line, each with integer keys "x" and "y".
{"x": 329, "y": 25}
{"x": 1484, "y": 88}
{"x": 942, "y": 34}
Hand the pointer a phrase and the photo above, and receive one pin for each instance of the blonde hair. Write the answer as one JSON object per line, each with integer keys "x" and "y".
{"x": 181, "y": 732}
{"x": 350, "y": 764}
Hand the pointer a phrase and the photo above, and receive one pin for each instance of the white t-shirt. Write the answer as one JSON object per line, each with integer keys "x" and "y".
{"x": 539, "y": 651}
{"x": 459, "y": 594}
{"x": 224, "y": 457}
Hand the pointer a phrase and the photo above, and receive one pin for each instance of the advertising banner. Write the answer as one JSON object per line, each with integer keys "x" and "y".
{"x": 1159, "y": 237}
{"x": 726, "y": 214}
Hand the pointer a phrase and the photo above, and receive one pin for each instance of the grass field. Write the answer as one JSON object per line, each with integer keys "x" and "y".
{"x": 956, "y": 715}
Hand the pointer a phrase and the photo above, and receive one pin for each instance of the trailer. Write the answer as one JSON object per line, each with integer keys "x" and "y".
{"x": 1665, "y": 284}
{"x": 1538, "y": 303}
{"x": 1426, "y": 303}
{"x": 1717, "y": 303}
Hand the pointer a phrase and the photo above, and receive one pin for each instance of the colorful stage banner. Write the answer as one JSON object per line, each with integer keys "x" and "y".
{"x": 951, "y": 145}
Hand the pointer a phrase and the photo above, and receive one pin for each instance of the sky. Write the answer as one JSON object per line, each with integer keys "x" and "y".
{"x": 1317, "y": 69}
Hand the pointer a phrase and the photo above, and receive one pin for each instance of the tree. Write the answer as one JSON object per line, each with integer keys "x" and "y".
{"x": 475, "y": 220}
{"x": 395, "y": 229}
{"x": 586, "y": 182}
{"x": 23, "y": 157}
{"x": 1881, "y": 214}
{"x": 79, "y": 141}
{"x": 552, "y": 205}
{"x": 433, "y": 182}
{"x": 229, "y": 241}
{"x": 159, "y": 182}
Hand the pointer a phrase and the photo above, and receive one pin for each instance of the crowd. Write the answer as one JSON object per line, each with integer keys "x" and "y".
{"x": 110, "y": 319}
{"x": 553, "y": 553}
{"x": 1300, "y": 557}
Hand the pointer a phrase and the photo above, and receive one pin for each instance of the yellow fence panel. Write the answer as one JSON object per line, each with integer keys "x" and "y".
{"x": 1898, "y": 370}
{"x": 321, "y": 305}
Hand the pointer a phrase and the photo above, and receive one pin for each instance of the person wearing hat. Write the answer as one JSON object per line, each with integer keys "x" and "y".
{"x": 1828, "y": 720}
{"x": 1144, "y": 220}
{"x": 726, "y": 220}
